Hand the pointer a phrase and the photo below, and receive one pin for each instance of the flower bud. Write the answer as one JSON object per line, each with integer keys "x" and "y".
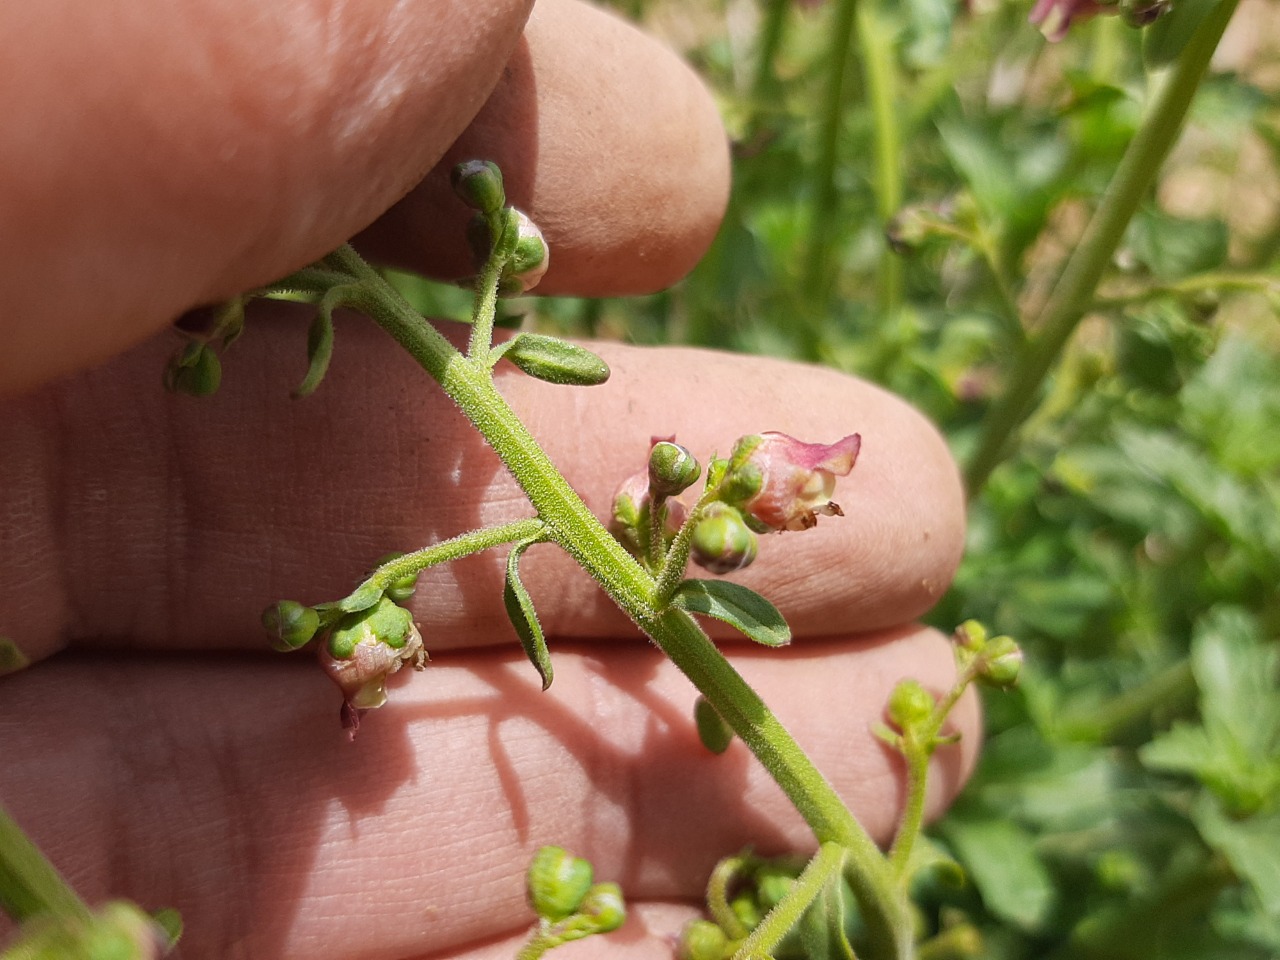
{"x": 290, "y": 624}
{"x": 529, "y": 258}
{"x": 629, "y": 522}
{"x": 604, "y": 908}
{"x": 971, "y": 635}
{"x": 784, "y": 483}
{"x": 722, "y": 542}
{"x": 12, "y": 659}
{"x": 672, "y": 469}
{"x": 558, "y": 883}
{"x": 402, "y": 589}
{"x": 194, "y": 370}
{"x": 1001, "y": 662}
{"x": 367, "y": 647}
{"x": 910, "y": 705}
{"x": 702, "y": 940}
{"x": 479, "y": 184}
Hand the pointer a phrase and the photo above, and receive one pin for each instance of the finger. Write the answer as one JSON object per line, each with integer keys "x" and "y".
{"x": 608, "y": 141}
{"x": 135, "y": 517}
{"x": 218, "y": 147}
{"x": 227, "y": 788}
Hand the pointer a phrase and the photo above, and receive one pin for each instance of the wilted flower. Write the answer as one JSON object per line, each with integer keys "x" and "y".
{"x": 364, "y": 649}
{"x": 787, "y": 482}
{"x": 1054, "y": 17}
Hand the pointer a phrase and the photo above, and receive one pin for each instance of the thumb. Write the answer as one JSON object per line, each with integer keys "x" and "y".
{"x": 155, "y": 155}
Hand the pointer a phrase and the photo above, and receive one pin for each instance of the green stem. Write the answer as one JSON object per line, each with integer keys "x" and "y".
{"x": 1218, "y": 281}
{"x": 786, "y": 913}
{"x": 917, "y": 759}
{"x": 765, "y": 83}
{"x": 485, "y": 308}
{"x": 825, "y": 198}
{"x": 29, "y": 884}
{"x": 572, "y": 525}
{"x": 1073, "y": 293}
{"x": 876, "y": 45}
{"x": 455, "y": 548}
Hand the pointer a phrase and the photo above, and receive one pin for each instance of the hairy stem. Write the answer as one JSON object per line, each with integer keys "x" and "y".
{"x": 786, "y": 913}
{"x": 1073, "y": 294}
{"x": 572, "y": 525}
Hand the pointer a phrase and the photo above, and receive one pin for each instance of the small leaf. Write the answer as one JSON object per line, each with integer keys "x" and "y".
{"x": 556, "y": 361}
{"x": 361, "y": 598}
{"x": 715, "y": 734}
{"x": 320, "y": 339}
{"x": 736, "y": 605}
{"x": 523, "y": 617}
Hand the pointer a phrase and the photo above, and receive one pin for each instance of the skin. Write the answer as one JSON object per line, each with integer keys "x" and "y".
{"x": 162, "y": 755}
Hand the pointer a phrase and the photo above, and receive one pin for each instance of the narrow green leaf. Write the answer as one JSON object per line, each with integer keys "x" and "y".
{"x": 320, "y": 340}
{"x": 736, "y": 605}
{"x": 523, "y": 617}
{"x": 556, "y": 361}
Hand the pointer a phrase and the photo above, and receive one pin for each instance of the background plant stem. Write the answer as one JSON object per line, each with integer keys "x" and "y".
{"x": 1073, "y": 293}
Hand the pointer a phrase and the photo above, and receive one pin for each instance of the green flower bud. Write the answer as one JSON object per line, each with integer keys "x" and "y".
{"x": 12, "y": 659}
{"x": 194, "y": 370}
{"x": 971, "y": 635}
{"x": 479, "y": 184}
{"x": 402, "y": 589}
{"x": 290, "y": 624}
{"x": 529, "y": 257}
{"x": 558, "y": 883}
{"x": 1001, "y": 662}
{"x": 604, "y": 908}
{"x": 910, "y": 705}
{"x": 672, "y": 469}
{"x": 702, "y": 940}
{"x": 722, "y": 542}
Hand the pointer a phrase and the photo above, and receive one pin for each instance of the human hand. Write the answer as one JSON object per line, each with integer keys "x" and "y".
{"x": 166, "y": 761}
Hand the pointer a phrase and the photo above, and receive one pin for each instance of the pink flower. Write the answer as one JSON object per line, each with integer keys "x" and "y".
{"x": 796, "y": 479}
{"x": 1054, "y": 17}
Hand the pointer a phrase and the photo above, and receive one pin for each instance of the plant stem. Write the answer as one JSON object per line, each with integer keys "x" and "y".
{"x": 572, "y": 525}
{"x": 825, "y": 198}
{"x": 765, "y": 82}
{"x": 29, "y": 884}
{"x": 1073, "y": 293}
{"x": 454, "y": 548}
{"x": 876, "y": 45}
{"x": 485, "y": 306}
{"x": 786, "y": 913}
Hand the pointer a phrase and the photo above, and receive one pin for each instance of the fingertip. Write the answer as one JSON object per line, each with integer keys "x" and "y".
{"x": 607, "y": 140}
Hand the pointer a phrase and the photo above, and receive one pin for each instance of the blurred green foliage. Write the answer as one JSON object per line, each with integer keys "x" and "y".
{"x": 909, "y": 179}
{"x": 1128, "y": 801}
